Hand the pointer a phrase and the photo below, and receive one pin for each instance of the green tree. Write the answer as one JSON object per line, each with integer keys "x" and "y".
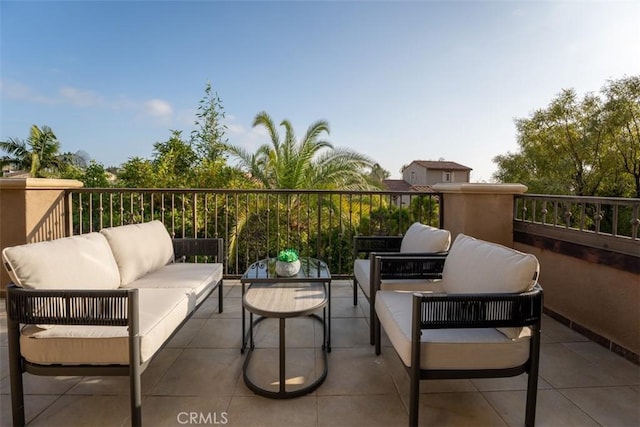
{"x": 584, "y": 146}
{"x": 137, "y": 173}
{"x": 209, "y": 137}
{"x": 95, "y": 176}
{"x": 173, "y": 162}
{"x": 311, "y": 163}
{"x": 622, "y": 117}
{"x": 39, "y": 153}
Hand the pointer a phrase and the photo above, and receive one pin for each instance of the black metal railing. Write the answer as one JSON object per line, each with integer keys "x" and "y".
{"x": 258, "y": 223}
{"x": 605, "y": 222}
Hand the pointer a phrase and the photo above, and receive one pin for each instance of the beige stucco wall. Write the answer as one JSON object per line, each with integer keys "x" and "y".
{"x": 605, "y": 300}
{"x": 31, "y": 210}
{"x": 484, "y": 211}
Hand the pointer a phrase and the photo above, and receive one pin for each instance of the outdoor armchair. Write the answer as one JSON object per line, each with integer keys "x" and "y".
{"x": 485, "y": 323}
{"x": 409, "y": 262}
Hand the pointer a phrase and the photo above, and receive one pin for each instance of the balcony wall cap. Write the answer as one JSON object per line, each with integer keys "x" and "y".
{"x": 480, "y": 188}
{"x": 38, "y": 184}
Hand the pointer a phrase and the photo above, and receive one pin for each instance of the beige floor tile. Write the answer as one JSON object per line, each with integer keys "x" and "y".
{"x": 457, "y": 409}
{"x": 384, "y": 410}
{"x": 165, "y": 411}
{"x": 356, "y": 371}
{"x": 349, "y": 332}
{"x": 201, "y": 372}
{"x": 555, "y": 332}
{"x": 609, "y": 406}
{"x": 605, "y": 360}
{"x": 184, "y": 336}
{"x": 342, "y": 289}
{"x": 552, "y": 409}
{"x": 98, "y": 411}
{"x": 343, "y": 307}
{"x": 218, "y": 333}
{"x": 232, "y": 310}
{"x": 264, "y": 412}
{"x": 303, "y": 366}
{"x": 33, "y": 406}
{"x": 35, "y": 384}
{"x": 299, "y": 332}
{"x": 510, "y": 383}
{"x": 562, "y": 367}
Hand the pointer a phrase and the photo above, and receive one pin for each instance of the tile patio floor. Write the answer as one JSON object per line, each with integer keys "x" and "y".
{"x": 200, "y": 373}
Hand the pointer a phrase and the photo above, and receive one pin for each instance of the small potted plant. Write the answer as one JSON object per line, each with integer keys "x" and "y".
{"x": 288, "y": 263}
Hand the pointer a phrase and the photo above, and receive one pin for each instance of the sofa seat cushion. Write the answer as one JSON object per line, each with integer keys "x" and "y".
{"x": 362, "y": 273}
{"x": 199, "y": 278}
{"x": 482, "y": 348}
{"x": 139, "y": 248}
{"x": 420, "y": 238}
{"x": 77, "y": 262}
{"x": 161, "y": 312}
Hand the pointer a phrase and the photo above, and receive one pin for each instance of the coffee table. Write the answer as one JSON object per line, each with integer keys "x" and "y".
{"x": 271, "y": 296}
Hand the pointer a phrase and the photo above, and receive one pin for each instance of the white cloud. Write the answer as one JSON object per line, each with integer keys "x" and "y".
{"x": 158, "y": 108}
{"x": 79, "y": 97}
{"x": 12, "y": 89}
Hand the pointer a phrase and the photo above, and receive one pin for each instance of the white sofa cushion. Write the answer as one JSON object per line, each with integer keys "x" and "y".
{"x": 476, "y": 266}
{"x": 78, "y": 262}
{"x": 420, "y": 238}
{"x": 362, "y": 273}
{"x": 199, "y": 278}
{"x": 482, "y": 348}
{"x": 139, "y": 248}
{"x": 161, "y": 312}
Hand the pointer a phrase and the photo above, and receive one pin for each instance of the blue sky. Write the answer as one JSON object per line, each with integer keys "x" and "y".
{"x": 399, "y": 81}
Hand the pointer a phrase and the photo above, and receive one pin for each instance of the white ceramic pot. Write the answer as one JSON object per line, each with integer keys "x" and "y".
{"x": 287, "y": 269}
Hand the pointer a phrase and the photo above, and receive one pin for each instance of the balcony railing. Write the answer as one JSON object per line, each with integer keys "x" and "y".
{"x": 258, "y": 223}
{"x": 600, "y": 222}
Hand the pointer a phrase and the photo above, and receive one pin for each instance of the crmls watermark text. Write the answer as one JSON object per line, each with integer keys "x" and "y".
{"x": 202, "y": 418}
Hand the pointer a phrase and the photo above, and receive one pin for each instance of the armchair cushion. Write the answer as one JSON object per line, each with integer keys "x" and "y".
{"x": 476, "y": 266}
{"x": 472, "y": 348}
{"x": 420, "y": 238}
{"x": 139, "y": 248}
{"x": 77, "y": 262}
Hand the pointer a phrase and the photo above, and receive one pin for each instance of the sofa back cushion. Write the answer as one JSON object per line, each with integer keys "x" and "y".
{"x": 420, "y": 238}
{"x": 139, "y": 248}
{"x": 476, "y": 266}
{"x": 78, "y": 262}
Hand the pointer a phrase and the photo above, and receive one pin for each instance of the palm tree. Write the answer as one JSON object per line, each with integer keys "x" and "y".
{"x": 40, "y": 152}
{"x": 311, "y": 163}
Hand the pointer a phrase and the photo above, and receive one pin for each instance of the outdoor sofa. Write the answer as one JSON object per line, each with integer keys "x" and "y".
{"x": 103, "y": 303}
{"x": 485, "y": 321}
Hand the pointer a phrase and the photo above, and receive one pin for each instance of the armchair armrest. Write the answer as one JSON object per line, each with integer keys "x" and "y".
{"x": 367, "y": 244}
{"x": 405, "y": 266}
{"x": 440, "y": 311}
{"x": 184, "y": 248}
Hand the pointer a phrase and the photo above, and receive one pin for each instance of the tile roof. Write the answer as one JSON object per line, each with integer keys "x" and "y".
{"x": 441, "y": 165}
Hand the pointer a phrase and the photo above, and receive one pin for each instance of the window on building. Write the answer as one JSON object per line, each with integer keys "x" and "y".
{"x": 413, "y": 178}
{"x": 447, "y": 176}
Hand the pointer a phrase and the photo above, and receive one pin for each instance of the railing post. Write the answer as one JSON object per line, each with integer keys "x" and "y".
{"x": 484, "y": 211}
{"x": 33, "y": 210}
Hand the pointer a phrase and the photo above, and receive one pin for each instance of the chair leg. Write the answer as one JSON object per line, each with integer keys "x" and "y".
{"x": 355, "y": 292}
{"x": 220, "y": 297}
{"x": 414, "y": 396}
{"x": 532, "y": 383}
{"x": 372, "y": 321}
{"x": 15, "y": 372}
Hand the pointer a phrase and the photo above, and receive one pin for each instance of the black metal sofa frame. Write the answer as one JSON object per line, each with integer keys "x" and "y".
{"x": 116, "y": 307}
